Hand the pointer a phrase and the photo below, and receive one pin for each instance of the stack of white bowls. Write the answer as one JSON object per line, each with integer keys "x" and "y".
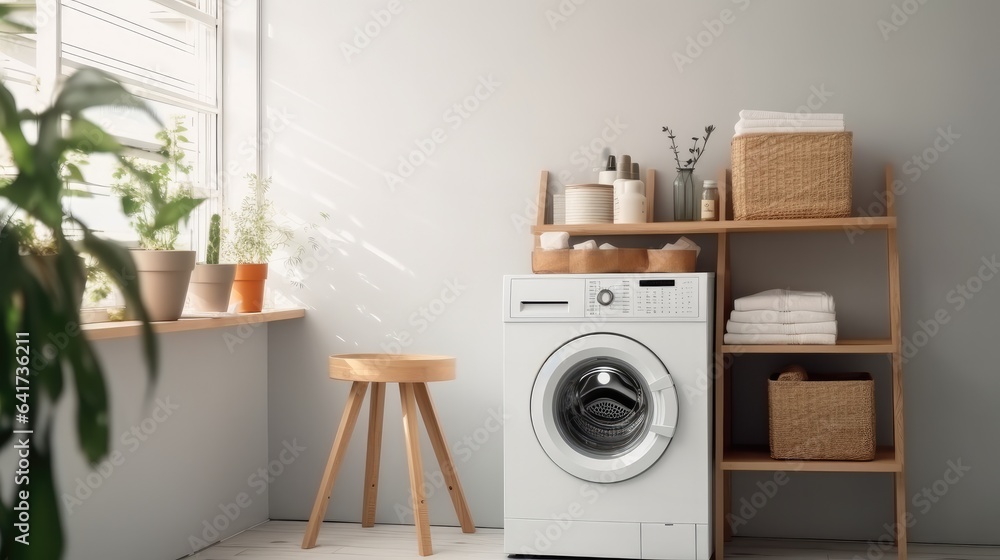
{"x": 559, "y": 209}
{"x": 589, "y": 204}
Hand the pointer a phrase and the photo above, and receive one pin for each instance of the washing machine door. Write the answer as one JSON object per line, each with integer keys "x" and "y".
{"x": 604, "y": 407}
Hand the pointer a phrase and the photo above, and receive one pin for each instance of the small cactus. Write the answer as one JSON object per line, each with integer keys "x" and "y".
{"x": 214, "y": 240}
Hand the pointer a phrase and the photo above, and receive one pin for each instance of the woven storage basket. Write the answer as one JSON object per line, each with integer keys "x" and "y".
{"x": 829, "y": 416}
{"x": 792, "y": 175}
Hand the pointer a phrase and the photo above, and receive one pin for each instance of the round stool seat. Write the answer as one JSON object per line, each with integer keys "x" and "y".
{"x": 392, "y": 368}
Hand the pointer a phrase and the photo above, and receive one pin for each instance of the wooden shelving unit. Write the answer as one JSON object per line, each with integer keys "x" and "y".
{"x": 728, "y": 457}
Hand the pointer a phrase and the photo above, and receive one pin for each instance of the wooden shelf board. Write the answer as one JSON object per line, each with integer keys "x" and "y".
{"x": 125, "y": 329}
{"x": 759, "y": 459}
{"x": 812, "y": 224}
{"x": 874, "y": 346}
{"x": 679, "y": 228}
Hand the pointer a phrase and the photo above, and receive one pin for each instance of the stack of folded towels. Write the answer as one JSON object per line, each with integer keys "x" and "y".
{"x": 761, "y": 122}
{"x": 783, "y": 317}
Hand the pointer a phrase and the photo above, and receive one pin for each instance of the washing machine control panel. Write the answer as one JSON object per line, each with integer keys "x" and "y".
{"x": 642, "y": 297}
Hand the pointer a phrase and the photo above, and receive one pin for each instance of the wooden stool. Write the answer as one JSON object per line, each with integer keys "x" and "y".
{"x": 412, "y": 372}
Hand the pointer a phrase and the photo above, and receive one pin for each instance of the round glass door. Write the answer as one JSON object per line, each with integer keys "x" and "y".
{"x": 603, "y": 408}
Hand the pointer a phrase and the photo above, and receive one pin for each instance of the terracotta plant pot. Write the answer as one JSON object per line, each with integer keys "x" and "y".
{"x": 211, "y": 286}
{"x": 248, "y": 288}
{"x": 163, "y": 281}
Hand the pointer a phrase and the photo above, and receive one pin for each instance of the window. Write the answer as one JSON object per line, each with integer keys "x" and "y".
{"x": 165, "y": 52}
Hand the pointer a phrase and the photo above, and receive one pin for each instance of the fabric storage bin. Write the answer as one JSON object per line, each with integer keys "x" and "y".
{"x": 827, "y": 416}
{"x": 792, "y": 175}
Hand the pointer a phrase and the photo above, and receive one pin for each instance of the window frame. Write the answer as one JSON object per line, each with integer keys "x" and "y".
{"x": 51, "y": 67}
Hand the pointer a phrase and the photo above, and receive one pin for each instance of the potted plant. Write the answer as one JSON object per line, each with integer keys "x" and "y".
{"x": 40, "y": 253}
{"x": 211, "y": 282}
{"x": 36, "y": 310}
{"x": 255, "y": 237}
{"x": 156, "y": 198}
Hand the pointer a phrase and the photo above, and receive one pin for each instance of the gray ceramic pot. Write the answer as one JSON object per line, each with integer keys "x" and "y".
{"x": 211, "y": 285}
{"x": 163, "y": 281}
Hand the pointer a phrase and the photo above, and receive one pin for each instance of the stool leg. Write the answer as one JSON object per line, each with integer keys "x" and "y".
{"x": 410, "y": 429}
{"x": 340, "y": 441}
{"x": 445, "y": 461}
{"x": 376, "y": 405}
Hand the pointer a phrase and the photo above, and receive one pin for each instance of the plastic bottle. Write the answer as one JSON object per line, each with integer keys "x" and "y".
{"x": 710, "y": 202}
{"x": 633, "y": 203}
{"x": 608, "y": 175}
{"x": 624, "y": 174}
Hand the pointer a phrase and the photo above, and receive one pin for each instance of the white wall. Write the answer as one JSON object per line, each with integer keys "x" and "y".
{"x": 179, "y": 461}
{"x": 460, "y": 216}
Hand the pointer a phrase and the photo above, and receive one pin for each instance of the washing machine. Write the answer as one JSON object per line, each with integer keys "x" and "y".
{"x": 608, "y": 429}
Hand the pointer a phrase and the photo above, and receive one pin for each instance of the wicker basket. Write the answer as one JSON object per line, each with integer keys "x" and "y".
{"x": 792, "y": 175}
{"x": 829, "y": 416}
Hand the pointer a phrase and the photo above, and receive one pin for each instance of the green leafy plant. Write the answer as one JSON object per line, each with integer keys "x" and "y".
{"x": 255, "y": 234}
{"x": 34, "y": 239}
{"x": 38, "y": 307}
{"x": 156, "y": 197}
{"x": 214, "y": 240}
{"x": 695, "y": 150}
{"x": 99, "y": 283}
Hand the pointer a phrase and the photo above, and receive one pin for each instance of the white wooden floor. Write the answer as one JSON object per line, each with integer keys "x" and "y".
{"x": 280, "y": 540}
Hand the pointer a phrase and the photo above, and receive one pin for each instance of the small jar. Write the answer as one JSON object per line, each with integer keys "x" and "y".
{"x": 710, "y": 202}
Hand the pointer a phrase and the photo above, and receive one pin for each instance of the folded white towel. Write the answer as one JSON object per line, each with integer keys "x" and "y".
{"x": 783, "y": 317}
{"x": 772, "y": 123}
{"x": 786, "y": 300}
{"x": 786, "y": 129}
{"x": 757, "y": 114}
{"x": 555, "y": 240}
{"x": 683, "y": 244}
{"x": 826, "y": 327}
{"x": 735, "y": 338}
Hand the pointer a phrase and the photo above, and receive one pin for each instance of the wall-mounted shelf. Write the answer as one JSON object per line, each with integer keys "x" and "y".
{"x": 688, "y": 228}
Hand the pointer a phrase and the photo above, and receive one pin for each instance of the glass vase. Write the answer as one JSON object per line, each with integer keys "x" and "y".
{"x": 684, "y": 202}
